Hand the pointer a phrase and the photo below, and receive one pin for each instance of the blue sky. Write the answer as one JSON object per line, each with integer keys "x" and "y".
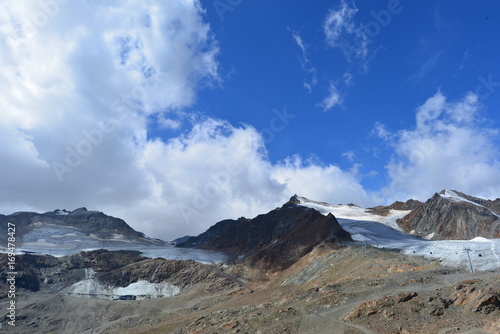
{"x": 416, "y": 50}
{"x": 176, "y": 114}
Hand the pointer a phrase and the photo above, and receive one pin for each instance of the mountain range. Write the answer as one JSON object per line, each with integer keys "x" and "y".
{"x": 279, "y": 238}
{"x": 305, "y": 267}
{"x": 74, "y": 229}
{"x": 292, "y": 229}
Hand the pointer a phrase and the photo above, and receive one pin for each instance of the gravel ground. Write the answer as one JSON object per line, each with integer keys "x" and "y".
{"x": 328, "y": 291}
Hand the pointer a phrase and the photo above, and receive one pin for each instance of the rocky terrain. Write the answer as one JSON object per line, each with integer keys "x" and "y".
{"x": 349, "y": 290}
{"x": 112, "y": 268}
{"x": 445, "y": 216}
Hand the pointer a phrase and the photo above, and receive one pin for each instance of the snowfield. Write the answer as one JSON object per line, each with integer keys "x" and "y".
{"x": 93, "y": 288}
{"x": 384, "y": 232}
{"x": 66, "y": 240}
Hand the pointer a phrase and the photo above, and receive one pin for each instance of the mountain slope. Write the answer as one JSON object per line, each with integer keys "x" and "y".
{"x": 492, "y": 205}
{"x": 106, "y": 274}
{"x": 410, "y": 204}
{"x": 273, "y": 240}
{"x": 453, "y": 215}
{"x": 61, "y": 226}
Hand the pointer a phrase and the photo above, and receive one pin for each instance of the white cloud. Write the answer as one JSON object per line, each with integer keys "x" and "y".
{"x": 348, "y": 79}
{"x": 329, "y": 183}
{"x": 333, "y": 99}
{"x": 218, "y": 171}
{"x": 449, "y": 148}
{"x": 349, "y": 155}
{"x": 340, "y": 21}
{"x": 168, "y": 123}
{"x": 309, "y": 70}
{"x": 71, "y": 70}
{"x": 380, "y": 131}
{"x": 343, "y": 32}
{"x": 79, "y": 94}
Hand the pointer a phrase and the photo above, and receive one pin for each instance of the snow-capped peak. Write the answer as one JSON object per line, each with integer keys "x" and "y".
{"x": 351, "y": 211}
{"x": 453, "y": 196}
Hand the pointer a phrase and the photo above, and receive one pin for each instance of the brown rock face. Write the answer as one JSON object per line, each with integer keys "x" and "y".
{"x": 479, "y": 300}
{"x": 404, "y": 297}
{"x": 449, "y": 219}
{"x": 181, "y": 273}
{"x": 273, "y": 240}
{"x": 114, "y": 268}
{"x": 410, "y": 204}
{"x": 102, "y": 260}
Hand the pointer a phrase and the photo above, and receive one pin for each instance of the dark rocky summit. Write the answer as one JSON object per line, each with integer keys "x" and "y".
{"x": 87, "y": 222}
{"x": 274, "y": 240}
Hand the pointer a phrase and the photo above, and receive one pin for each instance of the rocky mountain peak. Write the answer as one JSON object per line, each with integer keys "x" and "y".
{"x": 79, "y": 211}
{"x": 451, "y": 214}
{"x": 294, "y": 200}
{"x": 273, "y": 240}
{"x": 93, "y": 224}
{"x": 493, "y": 205}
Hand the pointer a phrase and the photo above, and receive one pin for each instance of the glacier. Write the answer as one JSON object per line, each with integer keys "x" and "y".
{"x": 60, "y": 241}
{"x": 383, "y": 232}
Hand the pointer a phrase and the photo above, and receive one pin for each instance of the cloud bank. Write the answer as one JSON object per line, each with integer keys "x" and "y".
{"x": 81, "y": 84}
{"x": 451, "y": 146}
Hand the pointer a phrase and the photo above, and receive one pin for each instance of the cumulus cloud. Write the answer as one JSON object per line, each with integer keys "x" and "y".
{"x": 80, "y": 81}
{"x": 338, "y": 186}
{"x": 218, "y": 171}
{"x": 449, "y": 148}
{"x": 168, "y": 123}
{"x": 82, "y": 85}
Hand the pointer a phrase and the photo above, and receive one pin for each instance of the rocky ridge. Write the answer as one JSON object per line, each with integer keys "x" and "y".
{"x": 275, "y": 240}
{"x": 410, "y": 204}
{"x": 446, "y": 216}
{"x": 87, "y": 222}
{"x": 112, "y": 269}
